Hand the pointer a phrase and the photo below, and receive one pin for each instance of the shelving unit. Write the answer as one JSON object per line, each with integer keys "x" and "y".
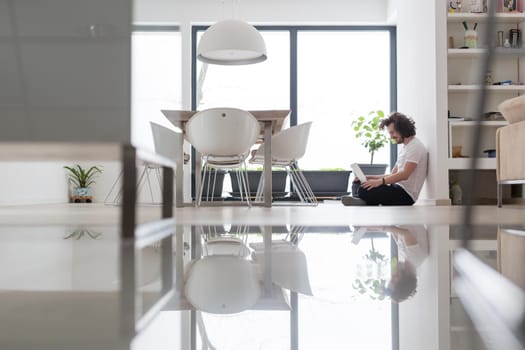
{"x": 463, "y": 68}
{"x": 495, "y": 88}
{"x": 482, "y": 17}
{"x": 464, "y": 163}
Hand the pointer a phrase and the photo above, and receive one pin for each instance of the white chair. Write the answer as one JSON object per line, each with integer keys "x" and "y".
{"x": 288, "y": 146}
{"x": 165, "y": 144}
{"x": 224, "y": 137}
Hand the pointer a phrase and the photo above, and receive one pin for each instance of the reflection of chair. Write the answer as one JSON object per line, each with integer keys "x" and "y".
{"x": 165, "y": 144}
{"x": 288, "y": 146}
{"x": 289, "y": 266}
{"x": 223, "y": 281}
{"x": 224, "y": 137}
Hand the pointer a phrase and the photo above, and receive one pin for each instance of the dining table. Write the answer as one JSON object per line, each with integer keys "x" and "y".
{"x": 272, "y": 121}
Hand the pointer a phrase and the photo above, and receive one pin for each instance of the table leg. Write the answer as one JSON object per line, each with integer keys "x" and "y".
{"x": 267, "y": 164}
{"x": 179, "y": 172}
{"x": 267, "y": 280}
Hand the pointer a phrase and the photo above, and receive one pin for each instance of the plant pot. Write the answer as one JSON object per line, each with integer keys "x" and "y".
{"x": 278, "y": 182}
{"x": 81, "y": 195}
{"x": 328, "y": 183}
{"x": 373, "y": 169}
{"x": 219, "y": 182}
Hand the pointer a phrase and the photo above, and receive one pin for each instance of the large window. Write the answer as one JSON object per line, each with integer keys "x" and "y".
{"x": 341, "y": 75}
{"x": 328, "y": 75}
{"x": 156, "y": 72}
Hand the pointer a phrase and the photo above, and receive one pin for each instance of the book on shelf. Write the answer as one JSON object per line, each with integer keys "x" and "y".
{"x": 456, "y": 119}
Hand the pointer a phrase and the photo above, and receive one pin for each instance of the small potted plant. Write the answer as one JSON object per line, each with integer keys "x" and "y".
{"x": 367, "y": 129}
{"x": 80, "y": 179}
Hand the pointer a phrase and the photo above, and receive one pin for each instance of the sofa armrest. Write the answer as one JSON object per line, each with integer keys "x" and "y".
{"x": 510, "y": 149}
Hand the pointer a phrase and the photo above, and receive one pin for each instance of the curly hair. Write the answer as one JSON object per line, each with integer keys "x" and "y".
{"x": 405, "y": 287}
{"x": 402, "y": 124}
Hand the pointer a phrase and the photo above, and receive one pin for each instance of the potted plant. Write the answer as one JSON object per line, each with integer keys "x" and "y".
{"x": 81, "y": 179}
{"x": 328, "y": 182}
{"x": 367, "y": 129}
{"x": 213, "y": 185}
{"x": 278, "y": 182}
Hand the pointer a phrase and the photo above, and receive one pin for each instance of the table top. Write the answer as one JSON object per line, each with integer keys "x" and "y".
{"x": 277, "y": 117}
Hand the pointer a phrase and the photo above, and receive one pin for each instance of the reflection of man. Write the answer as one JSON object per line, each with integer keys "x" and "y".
{"x": 412, "y": 244}
{"x": 403, "y": 185}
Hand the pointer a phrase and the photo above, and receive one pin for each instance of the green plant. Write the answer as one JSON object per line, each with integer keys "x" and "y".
{"x": 82, "y": 232}
{"x": 81, "y": 177}
{"x": 367, "y": 128}
{"x": 374, "y": 281}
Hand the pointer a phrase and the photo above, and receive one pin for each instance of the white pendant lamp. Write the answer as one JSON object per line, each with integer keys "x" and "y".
{"x": 231, "y": 42}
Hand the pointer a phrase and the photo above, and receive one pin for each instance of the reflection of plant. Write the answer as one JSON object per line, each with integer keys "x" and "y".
{"x": 81, "y": 177}
{"x": 81, "y": 232}
{"x": 374, "y": 282}
{"x": 367, "y": 128}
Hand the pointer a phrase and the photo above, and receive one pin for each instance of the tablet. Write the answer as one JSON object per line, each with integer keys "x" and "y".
{"x": 358, "y": 172}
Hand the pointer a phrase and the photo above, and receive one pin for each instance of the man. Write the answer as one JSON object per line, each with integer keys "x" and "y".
{"x": 413, "y": 249}
{"x": 403, "y": 185}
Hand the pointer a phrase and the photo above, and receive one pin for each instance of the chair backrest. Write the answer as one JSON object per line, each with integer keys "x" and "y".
{"x": 164, "y": 140}
{"x": 222, "y": 131}
{"x": 289, "y": 144}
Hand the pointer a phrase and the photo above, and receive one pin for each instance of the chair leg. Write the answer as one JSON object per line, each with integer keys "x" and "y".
{"x": 500, "y": 190}
{"x": 295, "y": 184}
{"x": 213, "y": 186}
{"x": 304, "y": 185}
{"x": 208, "y": 184}
{"x": 311, "y": 195}
{"x": 201, "y": 189}
{"x": 106, "y": 200}
{"x": 239, "y": 184}
{"x": 246, "y": 184}
{"x": 148, "y": 169}
{"x": 260, "y": 187}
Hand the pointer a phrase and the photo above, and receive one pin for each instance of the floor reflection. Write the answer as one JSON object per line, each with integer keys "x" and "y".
{"x": 255, "y": 287}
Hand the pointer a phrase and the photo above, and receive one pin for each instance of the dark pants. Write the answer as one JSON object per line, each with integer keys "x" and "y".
{"x": 382, "y": 195}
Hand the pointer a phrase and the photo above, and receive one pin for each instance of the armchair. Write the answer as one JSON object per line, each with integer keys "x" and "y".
{"x": 510, "y": 145}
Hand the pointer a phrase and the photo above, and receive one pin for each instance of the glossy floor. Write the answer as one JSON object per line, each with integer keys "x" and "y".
{"x": 274, "y": 285}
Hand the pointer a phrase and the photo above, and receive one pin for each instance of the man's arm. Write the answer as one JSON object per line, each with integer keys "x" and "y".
{"x": 404, "y": 174}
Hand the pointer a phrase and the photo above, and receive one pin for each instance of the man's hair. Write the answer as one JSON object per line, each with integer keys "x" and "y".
{"x": 406, "y": 286}
{"x": 402, "y": 124}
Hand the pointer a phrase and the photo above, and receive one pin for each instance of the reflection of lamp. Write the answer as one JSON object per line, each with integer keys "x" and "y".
{"x": 222, "y": 284}
{"x": 231, "y": 42}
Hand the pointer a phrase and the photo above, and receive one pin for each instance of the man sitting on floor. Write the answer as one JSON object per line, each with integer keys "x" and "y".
{"x": 403, "y": 185}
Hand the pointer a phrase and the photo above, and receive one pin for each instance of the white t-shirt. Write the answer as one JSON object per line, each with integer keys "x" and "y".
{"x": 413, "y": 152}
{"x": 416, "y": 253}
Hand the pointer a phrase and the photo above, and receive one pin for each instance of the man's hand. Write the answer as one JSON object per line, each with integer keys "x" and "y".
{"x": 371, "y": 183}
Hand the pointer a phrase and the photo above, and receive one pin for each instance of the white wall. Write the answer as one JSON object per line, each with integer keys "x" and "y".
{"x": 421, "y": 60}
{"x": 32, "y": 183}
{"x": 268, "y": 11}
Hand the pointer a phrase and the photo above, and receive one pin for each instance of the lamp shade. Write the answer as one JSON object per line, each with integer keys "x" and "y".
{"x": 231, "y": 42}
